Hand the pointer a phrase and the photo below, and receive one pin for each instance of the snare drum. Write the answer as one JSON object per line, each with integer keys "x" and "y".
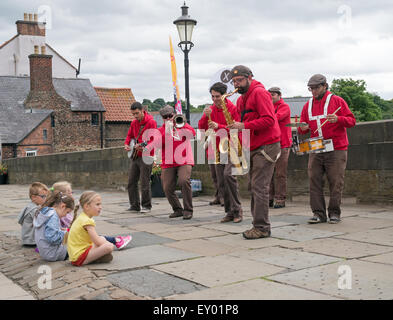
{"x": 310, "y": 145}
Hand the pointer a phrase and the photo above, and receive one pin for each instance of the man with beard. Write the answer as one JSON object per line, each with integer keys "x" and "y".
{"x": 226, "y": 182}
{"x": 256, "y": 111}
{"x": 138, "y": 168}
{"x": 323, "y": 106}
{"x": 278, "y": 186}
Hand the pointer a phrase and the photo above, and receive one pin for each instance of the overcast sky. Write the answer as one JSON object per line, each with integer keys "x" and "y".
{"x": 126, "y": 43}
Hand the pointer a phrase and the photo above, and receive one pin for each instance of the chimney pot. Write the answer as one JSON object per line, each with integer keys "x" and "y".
{"x": 43, "y": 50}
{"x": 35, "y": 17}
{"x": 25, "y": 17}
{"x": 30, "y": 17}
{"x": 36, "y": 51}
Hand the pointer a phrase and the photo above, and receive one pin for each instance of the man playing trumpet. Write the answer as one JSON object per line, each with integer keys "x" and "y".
{"x": 214, "y": 118}
{"x": 174, "y": 138}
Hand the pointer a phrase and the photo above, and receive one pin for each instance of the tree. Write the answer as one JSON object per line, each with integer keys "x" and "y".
{"x": 358, "y": 99}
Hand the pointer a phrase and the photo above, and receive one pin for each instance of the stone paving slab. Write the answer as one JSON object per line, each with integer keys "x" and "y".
{"x": 151, "y": 283}
{"x": 203, "y": 247}
{"x": 386, "y": 258}
{"x": 105, "y": 228}
{"x": 301, "y": 233}
{"x": 231, "y": 227}
{"x": 142, "y": 257}
{"x": 11, "y": 291}
{"x": 290, "y": 219}
{"x": 367, "y": 280}
{"x": 341, "y": 248}
{"x": 379, "y": 236}
{"x": 288, "y": 258}
{"x": 219, "y": 270}
{"x": 129, "y": 222}
{"x": 379, "y": 215}
{"x": 256, "y": 289}
{"x": 141, "y": 239}
{"x": 353, "y": 224}
{"x": 157, "y": 228}
{"x": 237, "y": 240}
{"x": 192, "y": 233}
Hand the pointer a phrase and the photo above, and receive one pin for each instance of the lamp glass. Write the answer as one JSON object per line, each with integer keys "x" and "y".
{"x": 185, "y": 29}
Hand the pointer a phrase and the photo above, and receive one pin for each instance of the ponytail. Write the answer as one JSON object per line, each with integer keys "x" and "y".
{"x": 75, "y": 214}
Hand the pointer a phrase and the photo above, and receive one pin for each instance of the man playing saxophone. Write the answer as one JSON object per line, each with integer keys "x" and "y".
{"x": 256, "y": 111}
{"x": 227, "y": 186}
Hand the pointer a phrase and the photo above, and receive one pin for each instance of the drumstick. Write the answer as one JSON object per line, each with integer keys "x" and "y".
{"x": 326, "y": 120}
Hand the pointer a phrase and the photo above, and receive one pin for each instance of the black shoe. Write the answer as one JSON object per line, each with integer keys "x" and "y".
{"x": 279, "y": 205}
{"x": 315, "y": 220}
{"x": 133, "y": 210}
{"x": 176, "y": 214}
{"x": 271, "y": 203}
{"x": 334, "y": 220}
{"x": 214, "y": 202}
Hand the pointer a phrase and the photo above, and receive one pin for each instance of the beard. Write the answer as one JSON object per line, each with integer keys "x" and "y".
{"x": 244, "y": 89}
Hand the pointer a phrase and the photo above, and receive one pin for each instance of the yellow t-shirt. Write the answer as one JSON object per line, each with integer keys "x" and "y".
{"x": 79, "y": 239}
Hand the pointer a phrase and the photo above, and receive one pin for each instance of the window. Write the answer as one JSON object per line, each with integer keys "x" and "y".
{"x": 94, "y": 119}
{"x": 52, "y": 120}
{"x": 45, "y": 134}
{"x": 31, "y": 153}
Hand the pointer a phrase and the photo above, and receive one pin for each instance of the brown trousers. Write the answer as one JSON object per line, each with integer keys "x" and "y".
{"x": 332, "y": 164}
{"x": 278, "y": 185}
{"x": 261, "y": 172}
{"x": 219, "y": 195}
{"x": 228, "y": 186}
{"x": 183, "y": 176}
{"x": 139, "y": 169}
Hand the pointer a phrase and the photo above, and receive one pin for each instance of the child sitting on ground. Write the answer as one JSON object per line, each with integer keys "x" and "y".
{"x": 84, "y": 244}
{"x": 49, "y": 236}
{"x": 38, "y": 193}
{"x": 66, "y": 188}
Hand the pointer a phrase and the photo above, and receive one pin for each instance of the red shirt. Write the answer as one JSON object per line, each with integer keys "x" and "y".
{"x": 259, "y": 116}
{"x": 148, "y": 122}
{"x": 218, "y": 116}
{"x": 283, "y": 114}
{"x": 335, "y": 131}
{"x": 175, "y": 152}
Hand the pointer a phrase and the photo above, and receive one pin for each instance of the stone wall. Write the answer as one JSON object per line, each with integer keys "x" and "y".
{"x": 369, "y": 174}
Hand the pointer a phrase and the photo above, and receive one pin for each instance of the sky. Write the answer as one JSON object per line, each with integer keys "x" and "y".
{"x": 125, "y": 44}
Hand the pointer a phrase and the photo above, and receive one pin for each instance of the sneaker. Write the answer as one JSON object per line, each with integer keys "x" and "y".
{"x": 214, "y": 202}
{"x": 145, "y": 210}
{"x": 226, "y": 219}
{"x": 256, "y": 234}
{"x": 279, "y": 205}
{"x": 334, "y": 220}
{"x": 271, "y": 203}
{"x": 187, "y": 215}
{"x": 123, "y": 241}
{"x": 315, "y": 220}
{"x": 176, "y": 214}
{"x": 36, "y": 250}
{"x": 133, "y": 210}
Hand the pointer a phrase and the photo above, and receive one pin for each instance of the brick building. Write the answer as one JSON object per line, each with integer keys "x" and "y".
{"x": 40, "y": 114}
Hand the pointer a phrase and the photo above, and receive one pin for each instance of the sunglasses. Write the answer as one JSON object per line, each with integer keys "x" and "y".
{"x": 42, "y": 196}
{"x": 167, "y": 116}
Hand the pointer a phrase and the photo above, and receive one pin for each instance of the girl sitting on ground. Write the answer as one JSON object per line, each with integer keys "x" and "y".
{"x": 66, "y": 188}
{"x": 50, "y": 238}
{"x": 84, "y": 244}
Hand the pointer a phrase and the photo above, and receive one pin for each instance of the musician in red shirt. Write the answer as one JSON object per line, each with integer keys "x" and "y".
{"x": 278, "y": 185}
{"x": 226, "y": 182}
{"x": 325, "y": 106}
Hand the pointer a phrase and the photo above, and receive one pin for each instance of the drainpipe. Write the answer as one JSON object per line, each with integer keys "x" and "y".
{"x": 102, "y": 130}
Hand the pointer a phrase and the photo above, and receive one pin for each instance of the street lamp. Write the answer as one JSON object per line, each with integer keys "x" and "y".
{"x": 185, "y": 26}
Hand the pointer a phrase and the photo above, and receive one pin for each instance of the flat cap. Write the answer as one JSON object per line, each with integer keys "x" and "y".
{"x": 317, "y": 79}
{"x": 167, "y": 110}
{"x": 275, "y": 89}
{"x": 241, "y": 71}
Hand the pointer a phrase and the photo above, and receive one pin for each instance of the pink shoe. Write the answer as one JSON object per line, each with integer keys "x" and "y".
{"x": 36, "y": 250}
{"x": 121, "y": 242}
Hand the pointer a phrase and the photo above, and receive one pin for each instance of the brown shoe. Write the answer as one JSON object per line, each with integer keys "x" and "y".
{"x": 238, "y": 217}
{"x": 226, "y": 219}
{"x": 187, "y": 215}
{"x": 256, "y": 234}
{"x": 176, "y": 214}
{"x": 214, "y": 202}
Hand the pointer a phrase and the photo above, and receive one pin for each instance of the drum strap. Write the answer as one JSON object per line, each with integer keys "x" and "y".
{"x": 268, "y": 158}
{"x": 318, "y": 118}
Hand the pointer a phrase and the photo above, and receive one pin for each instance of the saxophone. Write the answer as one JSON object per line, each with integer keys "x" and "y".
{"x": 238, "y": 158}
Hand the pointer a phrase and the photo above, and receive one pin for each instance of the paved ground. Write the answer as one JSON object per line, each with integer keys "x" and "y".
{"x": 204, "y": 259}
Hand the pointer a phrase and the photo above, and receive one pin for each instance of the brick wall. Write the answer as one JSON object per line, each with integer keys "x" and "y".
{"x": 30, "y": 28}
{"x": 115, "y": 134}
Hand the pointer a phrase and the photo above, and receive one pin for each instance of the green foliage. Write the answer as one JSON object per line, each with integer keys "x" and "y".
{"x": 358, "y": 99}
{"x": 3, "y": 169}
{"x": 158, "y": 103}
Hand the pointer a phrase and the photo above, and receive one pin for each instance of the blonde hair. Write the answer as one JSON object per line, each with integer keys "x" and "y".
{"x": 35, "y": 188}
{"x": 61, "y": 186}
{"x": 85, "y": 198}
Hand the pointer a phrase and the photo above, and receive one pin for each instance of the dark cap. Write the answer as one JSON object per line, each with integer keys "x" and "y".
{"x": 275, "y": 89}
{"x": 316, "y": 79}
{"x": 241, "y": 71}
{"x": 167, "y": 110}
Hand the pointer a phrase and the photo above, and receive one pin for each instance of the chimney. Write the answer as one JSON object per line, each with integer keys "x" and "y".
{"x": 30, "y": 26}
{"x": 40, "y": 71}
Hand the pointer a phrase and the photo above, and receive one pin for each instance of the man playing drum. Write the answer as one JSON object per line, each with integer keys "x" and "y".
{"x": 321, "y": 107}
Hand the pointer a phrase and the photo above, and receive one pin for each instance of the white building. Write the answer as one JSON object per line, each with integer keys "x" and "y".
{"x": 14, "y": 53}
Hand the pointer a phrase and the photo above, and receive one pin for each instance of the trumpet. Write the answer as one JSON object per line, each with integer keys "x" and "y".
{"x": 178, "y": 121}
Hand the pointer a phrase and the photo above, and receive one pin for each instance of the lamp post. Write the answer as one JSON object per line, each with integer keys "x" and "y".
{"x": 185, "y": 26}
